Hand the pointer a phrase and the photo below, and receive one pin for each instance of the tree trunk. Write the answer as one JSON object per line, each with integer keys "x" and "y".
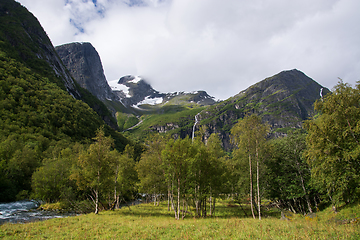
{"x": 178, "y": 199}
{"x": 213, "y": 211}
{"x": 116, "y": 198}
{"x": 172, "y": 202}
{"x": 251, "y": 188}
{"x": 197, "y": 201}
{"x": 96, "y": 201}
{"x": 303, "y": 186}
{"x": 183, "y": 211}
{"x": 257, "y": 179}
{"x": 210, "y": 204}
{"x": 203, "y": 207}
{"x": 168, "y": 198}
{"x": 291, "y": 206}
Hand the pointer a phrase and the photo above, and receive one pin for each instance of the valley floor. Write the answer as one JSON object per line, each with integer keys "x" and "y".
{"x": 147, "y": 221}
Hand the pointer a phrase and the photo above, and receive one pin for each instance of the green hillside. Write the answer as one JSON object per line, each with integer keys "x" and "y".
{"x": 37, "y": 112}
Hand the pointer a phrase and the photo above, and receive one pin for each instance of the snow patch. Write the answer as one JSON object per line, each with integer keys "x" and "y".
{"x": 115, "y": 86}
{"x": 135, "y": 80}
{"x": 151, "y": 101}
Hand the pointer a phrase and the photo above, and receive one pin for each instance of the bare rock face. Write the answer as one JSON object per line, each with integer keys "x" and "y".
{"x": 84, "y": 64}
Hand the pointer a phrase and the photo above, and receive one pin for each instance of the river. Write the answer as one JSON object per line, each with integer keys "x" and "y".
{"x": 25, "y": 211}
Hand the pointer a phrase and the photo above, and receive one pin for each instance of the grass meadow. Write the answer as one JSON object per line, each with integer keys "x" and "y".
{"x": 146, "y": 221}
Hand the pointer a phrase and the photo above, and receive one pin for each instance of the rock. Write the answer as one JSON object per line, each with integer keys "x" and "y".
{"x": 311, "y": 217}
{"x": 84, "y": 64}
{"x": 287, "y": 215}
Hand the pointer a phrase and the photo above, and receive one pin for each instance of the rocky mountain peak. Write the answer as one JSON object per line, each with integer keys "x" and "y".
{"x": 134, "y": 91}
{"x": 84, "y": 64}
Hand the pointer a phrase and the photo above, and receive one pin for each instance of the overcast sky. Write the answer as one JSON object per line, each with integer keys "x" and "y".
{"x": 220, "y": 46}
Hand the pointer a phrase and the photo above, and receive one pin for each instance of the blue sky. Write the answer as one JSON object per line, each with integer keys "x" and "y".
{"x": 222, "y": 47}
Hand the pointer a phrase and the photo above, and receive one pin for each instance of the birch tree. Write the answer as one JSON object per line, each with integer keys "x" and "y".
{"x": 177, "y": 156}
{"x": 249, "y": 136}
{"x": 150, "y": 168}
{"x": 125, "y": 175}
{"x": 333, "y": 144}
{"x": 95, "y": 168}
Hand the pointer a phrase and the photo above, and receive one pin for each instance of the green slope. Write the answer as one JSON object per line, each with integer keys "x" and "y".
{"x": 37, "y": 113}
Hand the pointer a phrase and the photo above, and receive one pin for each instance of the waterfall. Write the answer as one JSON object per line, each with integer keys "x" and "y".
{"x": 321, "y": 94}
{"x": 196, "y": 121}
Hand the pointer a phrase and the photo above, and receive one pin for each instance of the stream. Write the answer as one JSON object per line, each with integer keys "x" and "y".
{"x": 25, "y": 211}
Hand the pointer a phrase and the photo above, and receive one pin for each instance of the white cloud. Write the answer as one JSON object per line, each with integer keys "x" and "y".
{"x": 218, "y": 46}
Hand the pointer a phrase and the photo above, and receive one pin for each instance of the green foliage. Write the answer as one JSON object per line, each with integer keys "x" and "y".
{"x": 333, "y": 149}
{"x": 288, "y": 174}
{"x": 35, "y": 113}
{"x": 95, "y": 167}
{"x": 126, "y": 121}
{"x": 126, "y": 177}
{"x": 150, "y": 167}
{"x": 249, "y": 136}
{"x": 184, "y": 169}
{"x": 51, "y": 181}
{"x": 174, "y": 119}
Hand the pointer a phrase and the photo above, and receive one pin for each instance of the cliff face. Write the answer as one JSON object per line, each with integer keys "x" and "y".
{"x": 84, "y": 64}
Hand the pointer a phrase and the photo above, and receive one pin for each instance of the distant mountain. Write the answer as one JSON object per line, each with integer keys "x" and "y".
{"x": 284, "y": 101}
{"x": 135, "y": 92}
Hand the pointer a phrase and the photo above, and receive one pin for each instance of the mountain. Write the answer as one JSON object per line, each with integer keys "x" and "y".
{"x": 284, "y": 101}
{"x": 130, "y": 97}
{"x": 135, "y": 92}
{"x": 84, "y": 64}
{"x": 130, "y": 94}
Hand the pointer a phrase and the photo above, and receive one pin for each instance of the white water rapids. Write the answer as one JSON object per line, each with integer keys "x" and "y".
{"x": 25, "y": 211}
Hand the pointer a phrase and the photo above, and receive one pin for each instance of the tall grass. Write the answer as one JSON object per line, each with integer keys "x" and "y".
{"x": 147, "y": 221}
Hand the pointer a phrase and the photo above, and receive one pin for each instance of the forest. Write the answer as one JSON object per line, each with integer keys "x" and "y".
{"x": 55, "y": 149}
